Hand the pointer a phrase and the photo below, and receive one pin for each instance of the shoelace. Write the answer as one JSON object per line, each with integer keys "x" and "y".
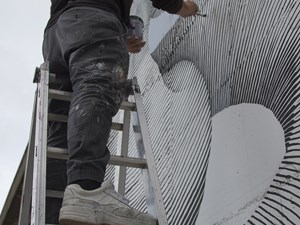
{"x": 118, "y": 196}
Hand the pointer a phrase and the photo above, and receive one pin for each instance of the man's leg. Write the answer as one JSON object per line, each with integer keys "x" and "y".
{"x": 98, "y": 71}
{"x": 93, "y": 43}
{"x": 57, "y": 50}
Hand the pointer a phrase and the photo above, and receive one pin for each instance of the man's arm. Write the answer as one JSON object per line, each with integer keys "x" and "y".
{"x": 135, "y": 44}
{"x": 170, "y": 6}
{"x": 182, "y": 8}
{"x": 189, "y": 8}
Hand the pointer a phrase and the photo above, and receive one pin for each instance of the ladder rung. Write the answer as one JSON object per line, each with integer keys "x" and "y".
{"x": 60, "y": 95}
{"x": 128, "y": 162}
{"x": 54, "y": 194}
{"x": 66, "y": 96}
{"x": 131, "y": 106}
{"x": 57, "y": 118}
{"x": 64, "y": 119}
{"x": 61, "y": 153}
{"x": 117, "y": 126}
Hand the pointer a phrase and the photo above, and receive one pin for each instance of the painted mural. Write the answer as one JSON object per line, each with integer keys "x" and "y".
{"x": 243, "y": 51}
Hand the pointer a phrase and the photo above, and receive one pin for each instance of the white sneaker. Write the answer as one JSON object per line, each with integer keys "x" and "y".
{"x": 102, "y": 206}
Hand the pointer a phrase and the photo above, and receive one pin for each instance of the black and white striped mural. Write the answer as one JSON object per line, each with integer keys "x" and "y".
{"x": 244, "y": 51}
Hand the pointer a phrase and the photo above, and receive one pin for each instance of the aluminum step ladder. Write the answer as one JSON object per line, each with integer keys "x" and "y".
{"x": 33, "y": 204}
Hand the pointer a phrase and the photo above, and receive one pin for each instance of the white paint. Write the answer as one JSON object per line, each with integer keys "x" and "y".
{"x": 159, "y": 27}
{"x": 247, "y": 148}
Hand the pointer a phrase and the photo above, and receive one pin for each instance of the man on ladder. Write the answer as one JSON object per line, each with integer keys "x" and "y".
{"x": 85, "y": 42}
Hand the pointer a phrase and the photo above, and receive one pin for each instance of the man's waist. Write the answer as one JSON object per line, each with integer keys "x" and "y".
{"x": 73, "y": 5}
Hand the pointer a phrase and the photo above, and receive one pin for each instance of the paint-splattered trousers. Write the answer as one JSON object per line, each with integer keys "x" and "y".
{"x": 87, "y": 51}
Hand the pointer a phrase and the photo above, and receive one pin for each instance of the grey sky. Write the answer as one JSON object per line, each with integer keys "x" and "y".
{"x": 21, "y": 24}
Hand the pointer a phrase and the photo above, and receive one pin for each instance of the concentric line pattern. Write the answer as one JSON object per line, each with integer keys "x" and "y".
{"x": 242, "y": 52}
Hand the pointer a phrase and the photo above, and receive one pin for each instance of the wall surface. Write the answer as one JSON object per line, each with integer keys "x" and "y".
{"x": 244, "y": 51}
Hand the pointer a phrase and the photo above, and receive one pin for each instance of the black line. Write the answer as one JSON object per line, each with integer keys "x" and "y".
{"x": 289, "y": 169}
{"x": 258, "y": 219}
{"x": 285, "y": 190}
{"x": 263, "y": 216}
{"x": 279, "y": 195}
{"x": 270, "y": 213}
{"x": 281, "y": 213}
{"x": 288, "y": 177}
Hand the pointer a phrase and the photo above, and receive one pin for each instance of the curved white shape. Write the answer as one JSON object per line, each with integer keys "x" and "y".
{"x": 247, "y": 149}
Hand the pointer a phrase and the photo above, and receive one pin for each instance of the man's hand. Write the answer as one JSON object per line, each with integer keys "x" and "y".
{"x": 135, "y": 44}
{"x": 189, "y": 8}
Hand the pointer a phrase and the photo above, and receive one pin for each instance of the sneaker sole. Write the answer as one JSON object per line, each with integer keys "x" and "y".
{"x": 74, "y": 215}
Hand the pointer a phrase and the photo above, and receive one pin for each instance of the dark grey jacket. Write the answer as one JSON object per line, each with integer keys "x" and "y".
{"x": 120, "y": 8}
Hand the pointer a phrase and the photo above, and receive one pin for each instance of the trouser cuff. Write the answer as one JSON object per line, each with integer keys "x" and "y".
{"x": 85, "y": 174}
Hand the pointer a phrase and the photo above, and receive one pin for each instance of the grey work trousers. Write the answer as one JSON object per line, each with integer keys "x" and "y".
{"x": 87, "y": 51}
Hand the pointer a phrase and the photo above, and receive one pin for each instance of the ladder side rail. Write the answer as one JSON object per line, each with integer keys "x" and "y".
{"x": 24, "y": 215}
{"x": 149, "y": 194}
{"x": 120, "y": 175}
{"x": 40, "y": 156}
{"x": 150, "y": 176}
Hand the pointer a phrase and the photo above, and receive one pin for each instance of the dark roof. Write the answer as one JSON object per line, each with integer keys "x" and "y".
{"x": 11, "y": 208}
